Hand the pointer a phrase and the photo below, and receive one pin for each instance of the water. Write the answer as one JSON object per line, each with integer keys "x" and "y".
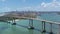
{"x": 21, "y": 27}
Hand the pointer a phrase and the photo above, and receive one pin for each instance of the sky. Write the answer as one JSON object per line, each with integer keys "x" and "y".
{"x": 29, "y": 5}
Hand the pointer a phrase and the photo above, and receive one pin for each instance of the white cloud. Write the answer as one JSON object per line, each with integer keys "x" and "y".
{"x": 52, "y": 6}
{"x": 24, "y": 0}
{"x": 25, "y": 8}
{"x": 43, "y": 4}
{"x": 5, "y": 9}
{"x": 3, "y": 0}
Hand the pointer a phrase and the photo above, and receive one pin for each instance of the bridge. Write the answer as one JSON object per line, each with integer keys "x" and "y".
{"x": 13, "y": 16}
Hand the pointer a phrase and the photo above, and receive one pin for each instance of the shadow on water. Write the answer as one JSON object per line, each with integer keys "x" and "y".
{"x": 2, "y": 28}
{"x": 13, "y": 28}
{"x": 31, "y": 31}
{"x": 27, "y": 27}
{"x": 22, "y": 26}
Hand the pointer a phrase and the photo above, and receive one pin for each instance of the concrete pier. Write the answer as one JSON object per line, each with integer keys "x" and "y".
{"x": 51, "y": 29}
{"x": 13, "y": 22}
{"x": 43, "y": 27}
{"x": 31, "y": 24}
{"x": 59, "y": 29}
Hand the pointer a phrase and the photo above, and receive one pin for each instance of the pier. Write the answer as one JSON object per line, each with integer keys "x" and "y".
{"x": 31, "y": 16}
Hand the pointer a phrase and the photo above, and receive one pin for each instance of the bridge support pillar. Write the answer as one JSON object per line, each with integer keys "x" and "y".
{"x": 59, "y": 28}
{"x": 31, "y": 24}
{"x": 14, "y": 22}
{"x": 51, "y": 28}
{"x": 43, "y": 27}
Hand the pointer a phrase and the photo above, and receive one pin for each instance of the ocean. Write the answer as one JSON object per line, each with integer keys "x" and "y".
{"x": 21, "y": 27}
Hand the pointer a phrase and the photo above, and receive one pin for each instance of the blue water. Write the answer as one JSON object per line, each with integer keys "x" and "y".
{"x": 21, "y": 27}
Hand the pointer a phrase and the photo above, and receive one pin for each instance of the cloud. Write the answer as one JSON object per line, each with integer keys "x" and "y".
{"x": 25, "y": 8}
{"x": 52, "y": 6}
{"x": 5, "y": 9}
{"x": 43, "y": 4}
{"x": 24, "y": 0}
{"x": 3, "y": 0}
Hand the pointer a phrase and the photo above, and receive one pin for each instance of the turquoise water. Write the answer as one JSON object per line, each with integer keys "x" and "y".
{"x": 20, "y": 28}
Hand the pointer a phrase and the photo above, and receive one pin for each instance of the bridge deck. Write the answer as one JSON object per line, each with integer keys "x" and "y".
{"x": 35, "y": 19}
{"x": 41, "y": 20}
{"x": 14, "y": 15}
